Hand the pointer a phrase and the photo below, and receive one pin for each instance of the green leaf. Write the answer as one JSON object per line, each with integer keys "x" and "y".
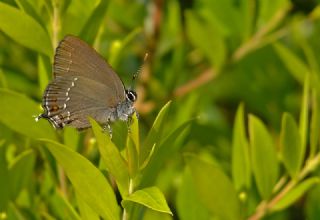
{"x": 205, "y": 37}
{"x": 155, "y": 133}
{"x": 44, "y": 70}
{"x": 150, "y": 197}
{"x": 304, "y": 116}
{"x": 268, "y": 9}
{"x": 88, "y": 181}
{"x": 61, "y": 207}
{"x": 17, "y": 113}
{"x": 112, "y": 158}
{"x": 189, "y": 206}
{"x": 132, "y": 157}
{"x": 24, "y": 29}
{"x": 134, "y": 132}
{"x": 315, "y": 123}
{"x": 241, "y": 171}
{"x": 71, "y": 137}
{"x": 160, "y": 153}
{"x": 118, "y": 46}
{"x": 90, "y": 30}
{"x": 290, "y": 142}
{"x": 292, "y": 196}
{"x": 214, "y": 189}
{"x": 86, "y": 212}
{"x": 264, "y": 159}
{"x": 77, "y": 15}
{"x": 29, "y": 8}
{"x": 294, "y": 64}
{"x": 247, "y": 10}
{"x": 5, "y": 177}
{"x": 21, "y": 172}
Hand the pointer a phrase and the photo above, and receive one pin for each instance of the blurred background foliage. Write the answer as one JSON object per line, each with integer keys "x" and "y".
{"x": 207, "y": 56}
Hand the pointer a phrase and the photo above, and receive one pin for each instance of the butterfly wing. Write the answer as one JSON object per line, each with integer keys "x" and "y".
{"x": 84, "y": 85}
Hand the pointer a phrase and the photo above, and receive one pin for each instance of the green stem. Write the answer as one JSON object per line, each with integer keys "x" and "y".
{"x": 266, "y": 206}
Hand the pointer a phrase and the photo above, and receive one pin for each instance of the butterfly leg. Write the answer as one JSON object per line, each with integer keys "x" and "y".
{"x": 129, "y": 122}
{"x": 107, "y": 126}
{"x": 37, "y": 118}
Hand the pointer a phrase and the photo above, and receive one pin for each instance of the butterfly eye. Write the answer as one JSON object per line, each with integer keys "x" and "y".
{"x": 131, "y": 96}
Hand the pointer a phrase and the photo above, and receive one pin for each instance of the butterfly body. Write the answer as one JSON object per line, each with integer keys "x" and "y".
{"x": 84, "y": 85}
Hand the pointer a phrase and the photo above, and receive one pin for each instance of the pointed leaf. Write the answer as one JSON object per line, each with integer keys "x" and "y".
{"x": 155, "y": 133}
{"x": 134, "y": 132}
{"x": 163, "y": 151}
{"x": 88, "y": 181}
{"x": 290, "y": 142}
{"x": 188, "y": 203}
{"x": 150, "y": 197}
{"x": 214, "y": 189}
{"x": 264, "y": 159}
{"x": 22, "y": 120}
{"x": 21, "y": 172}
{"x": 295, "y": 193}
{"x": 5, "y": 177}
{"x": 304, "y": 116}
{"x": 315, "y": 123}
{"x": 44, "y": 69}
{"x": 112, "y": 158}
{"x": 86, "y": 212}
{"x": 77, "y": 15}
{"x": 90, "y": 30}
{"x": 204, "y": 35}
{"x": 132, "y": 157}
{"x": 293, "y": 63}
{"x": 241, "y": 171}
{"x": 62, "y": 208}
{"x": 24, "y": 29}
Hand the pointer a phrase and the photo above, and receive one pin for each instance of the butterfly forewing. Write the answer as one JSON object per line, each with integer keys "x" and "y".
{"x": 75, "y": 58}
{"x": 83, "y": 85}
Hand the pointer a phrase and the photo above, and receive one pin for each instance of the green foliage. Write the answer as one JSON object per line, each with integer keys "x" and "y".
{"x": 221, "y": 200}
{"x": 264, "y": 158}
{"x": 185, "y": 158}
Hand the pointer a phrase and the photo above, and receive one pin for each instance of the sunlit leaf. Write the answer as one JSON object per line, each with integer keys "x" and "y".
{"x": 62, "y": 208}
{"x": 155, "y": 133}
{"x": 86, "y": 212}
{"x": 150, "y": 197}
{"x": 90, "y": 30}
{"x": 24, "y": 29}
{"x": 21, "y": 172}
{"x": 132, "y": 157}
{"x": 241, "y": 171}
{"x": 112, "y": 158}
{"x": 88, "y": 181}
{"x": 294, "y": 64}
{"x": 315, "y": 123}
{"x": 17, "y": 112}
{"x": 304, "y": 116}
{"x": 160, "y": 153}
{"x": 214, "y": 189}
{"x": 44, "y": 69}
{"x": 264, "y": 159}
{"x": 268, "y": 9}
{"x": 295, "y": 193}
{"x": 76, "y": 16}
{"x": 206, "y": 37}
{"x": 5, "y": 177}
{"x": 291, "y": 148}
{"x": 189, "y": 206}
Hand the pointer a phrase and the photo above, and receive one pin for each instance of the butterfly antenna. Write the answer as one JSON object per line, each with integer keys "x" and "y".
{"x": 135, "y": 75}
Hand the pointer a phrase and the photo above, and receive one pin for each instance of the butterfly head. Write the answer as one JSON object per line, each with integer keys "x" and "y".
{"x": 131, "y": 95}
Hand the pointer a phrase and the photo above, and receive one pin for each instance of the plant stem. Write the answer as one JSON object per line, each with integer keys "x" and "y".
{"x": 55, "y": 24}
{"x": 266, "y": 206}
{"x": 124, "y": 214}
